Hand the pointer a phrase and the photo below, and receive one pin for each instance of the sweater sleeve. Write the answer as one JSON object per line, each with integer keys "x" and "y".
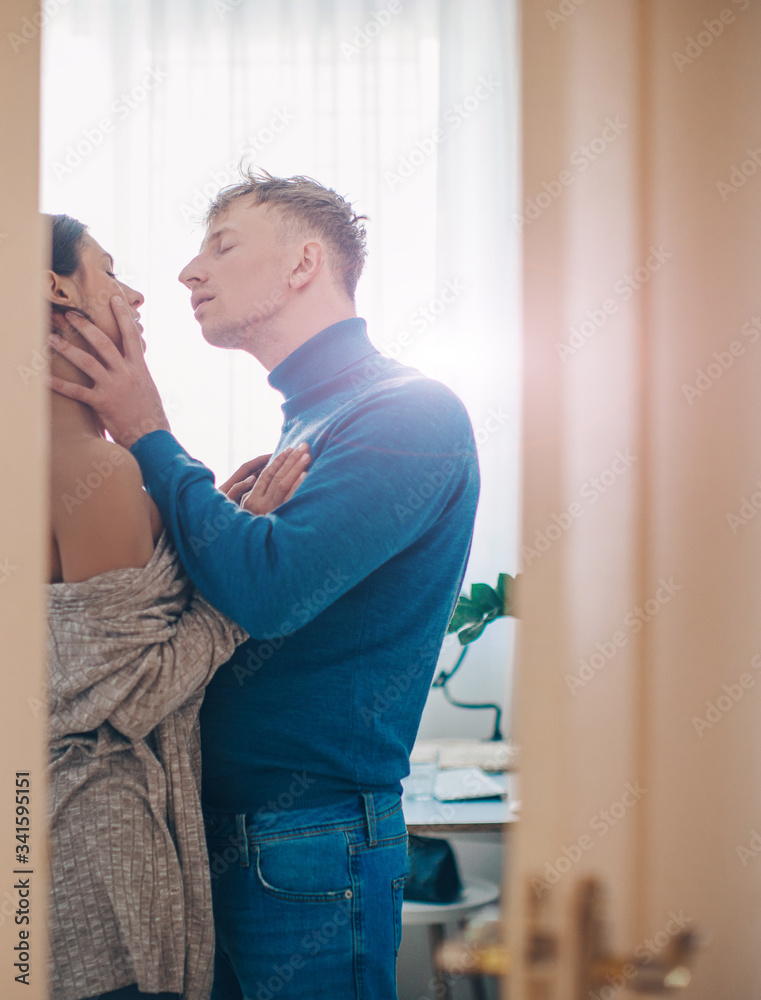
{"x": 131, "y": 646}
{"x": 165, "y": 675}
{"x": 379, "y": 479}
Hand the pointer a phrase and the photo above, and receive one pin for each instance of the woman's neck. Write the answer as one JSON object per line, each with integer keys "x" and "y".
{"x": 68, "y": 417}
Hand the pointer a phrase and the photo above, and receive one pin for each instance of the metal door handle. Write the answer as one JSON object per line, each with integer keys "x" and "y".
{"x": 598, "y": 968}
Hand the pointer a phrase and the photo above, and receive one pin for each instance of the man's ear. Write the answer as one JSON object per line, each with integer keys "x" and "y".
{"x": 310, "y": 262}
{"x": 57, "y": 289}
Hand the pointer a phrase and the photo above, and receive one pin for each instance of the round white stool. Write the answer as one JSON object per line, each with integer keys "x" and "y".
{"x": 476, "y": 893}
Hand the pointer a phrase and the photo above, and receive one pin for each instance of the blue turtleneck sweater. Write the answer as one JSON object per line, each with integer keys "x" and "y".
{"x": 346, "y": 589}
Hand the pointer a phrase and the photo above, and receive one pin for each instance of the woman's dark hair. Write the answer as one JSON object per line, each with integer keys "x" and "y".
{"x": 67, "y": 236}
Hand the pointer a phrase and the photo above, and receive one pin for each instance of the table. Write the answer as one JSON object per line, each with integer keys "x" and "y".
{"x": 429, "y": 817}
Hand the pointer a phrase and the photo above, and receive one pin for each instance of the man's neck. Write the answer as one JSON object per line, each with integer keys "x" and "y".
{"x": 280, "y": 340}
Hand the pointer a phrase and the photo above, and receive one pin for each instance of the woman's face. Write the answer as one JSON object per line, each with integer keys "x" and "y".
{"x": 92, "y": 287}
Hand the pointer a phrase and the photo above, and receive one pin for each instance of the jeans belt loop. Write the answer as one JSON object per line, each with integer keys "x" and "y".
{"x": 240, "y": 820}
{"x": 372, "y": 838}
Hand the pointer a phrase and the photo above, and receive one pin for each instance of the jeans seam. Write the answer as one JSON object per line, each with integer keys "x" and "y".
{"x": 358, "y": 938}
{"x": 243, "y": 845}
{"x": 360, "y": 848}
{"x": 397, "y": 888}
{"x": 370, "y": 818}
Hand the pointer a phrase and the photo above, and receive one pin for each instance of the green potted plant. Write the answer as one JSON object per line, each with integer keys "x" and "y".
{"x": 471, "y": 616}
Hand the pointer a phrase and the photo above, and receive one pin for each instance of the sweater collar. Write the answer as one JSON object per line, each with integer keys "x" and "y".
{"x": 318, "y": 359}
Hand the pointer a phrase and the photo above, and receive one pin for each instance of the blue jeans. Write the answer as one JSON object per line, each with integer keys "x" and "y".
{"x": 308, "y": 902}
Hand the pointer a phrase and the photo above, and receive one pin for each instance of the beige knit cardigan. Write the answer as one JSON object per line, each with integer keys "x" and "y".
{"x": 130, "y": 653}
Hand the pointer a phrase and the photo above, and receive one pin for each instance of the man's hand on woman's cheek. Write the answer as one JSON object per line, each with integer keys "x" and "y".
{"x": 123, "y": 394}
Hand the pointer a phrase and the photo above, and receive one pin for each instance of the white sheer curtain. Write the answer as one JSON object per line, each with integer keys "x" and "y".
{"x": 409, "y": 109}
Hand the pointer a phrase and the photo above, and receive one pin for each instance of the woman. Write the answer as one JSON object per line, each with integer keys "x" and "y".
{"x": 132, "y": 646}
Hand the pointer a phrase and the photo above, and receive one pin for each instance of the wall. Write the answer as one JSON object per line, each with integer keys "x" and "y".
{"x": 23, "y": 500}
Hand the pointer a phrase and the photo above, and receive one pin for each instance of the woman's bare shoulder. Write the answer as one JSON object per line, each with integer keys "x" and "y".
{"x": 91, "y": 457}
{"x": 102, "y": 517}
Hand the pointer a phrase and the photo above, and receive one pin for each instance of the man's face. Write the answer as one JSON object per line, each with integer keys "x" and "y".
{"x": 239, "y": 280}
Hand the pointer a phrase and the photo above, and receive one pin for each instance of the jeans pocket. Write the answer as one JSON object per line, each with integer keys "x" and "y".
{"x": 397, "y": 893}
{"x": 312, "y": 867}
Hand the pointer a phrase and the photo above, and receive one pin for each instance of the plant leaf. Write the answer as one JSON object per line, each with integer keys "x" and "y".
{"x": 484, "y": 597}
{"x": 464, "y": 614}
{"x": 470, "y": 633}
{"x": 505, "y": 585}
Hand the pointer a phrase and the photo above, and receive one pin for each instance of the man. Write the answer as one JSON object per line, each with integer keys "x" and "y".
{"x": 346, "y": 590}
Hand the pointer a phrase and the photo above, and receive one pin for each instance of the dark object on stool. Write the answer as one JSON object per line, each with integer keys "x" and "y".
{"x": 432, "y": 875}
